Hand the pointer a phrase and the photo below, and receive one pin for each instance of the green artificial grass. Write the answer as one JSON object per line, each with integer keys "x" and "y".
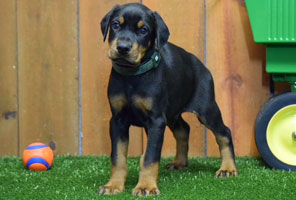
{"x": 80, "y": 177}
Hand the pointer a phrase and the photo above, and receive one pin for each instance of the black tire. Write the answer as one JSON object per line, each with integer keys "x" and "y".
{"x": 262, "y": 121}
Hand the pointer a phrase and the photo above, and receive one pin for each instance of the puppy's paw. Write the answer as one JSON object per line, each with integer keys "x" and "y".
{"x": 144, "y": 191}
{"x": 225, "y": 173}
{"x": 110, "y": 190}
{"x": 177, "y": 165}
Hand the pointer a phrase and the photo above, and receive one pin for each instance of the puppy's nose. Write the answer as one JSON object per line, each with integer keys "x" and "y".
{"x": 123, "y": 47}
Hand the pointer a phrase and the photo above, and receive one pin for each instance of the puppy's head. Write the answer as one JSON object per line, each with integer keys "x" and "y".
{"x": 133, "y": 30}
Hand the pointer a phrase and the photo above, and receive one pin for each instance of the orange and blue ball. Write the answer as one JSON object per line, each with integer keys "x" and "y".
{"x": 38, "y": 157}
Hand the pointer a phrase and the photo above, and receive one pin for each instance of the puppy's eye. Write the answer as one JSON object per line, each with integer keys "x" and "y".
{"x": 115, "y": 25}
{"x": 143, "y": 30}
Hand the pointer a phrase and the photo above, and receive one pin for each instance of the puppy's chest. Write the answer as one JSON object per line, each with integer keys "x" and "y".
{"x": 133, "y": 105}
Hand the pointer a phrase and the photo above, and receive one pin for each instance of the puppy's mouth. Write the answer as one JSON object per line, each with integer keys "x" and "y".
{"x": 124, "y": 62}
{"x": 132, "y": 58}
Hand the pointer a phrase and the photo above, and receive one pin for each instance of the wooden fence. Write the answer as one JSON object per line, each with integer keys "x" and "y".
{"x": 54, "y": 72}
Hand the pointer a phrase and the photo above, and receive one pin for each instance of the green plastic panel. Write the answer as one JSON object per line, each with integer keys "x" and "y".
{"x": 281, "y": 59}
{"x": 273, "y": 21}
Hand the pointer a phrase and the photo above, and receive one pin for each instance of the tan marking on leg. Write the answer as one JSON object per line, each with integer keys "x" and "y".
{"x": 140, "y": 24}
{"x": 118, "y": 172}
{"x": 147, "y": 184}
{"x": 181, "y": 159}
{"x": 145, "y": 104}
{"x": 228, "y": 167}
{"x": 121, "y": 20}
{"x": 118, "y": 102}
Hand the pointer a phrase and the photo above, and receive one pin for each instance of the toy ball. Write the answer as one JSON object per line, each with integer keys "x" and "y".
{"x": 38, "y": 157}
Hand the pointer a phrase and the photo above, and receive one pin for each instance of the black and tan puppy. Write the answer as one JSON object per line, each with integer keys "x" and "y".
{"x": 151, "y": 84}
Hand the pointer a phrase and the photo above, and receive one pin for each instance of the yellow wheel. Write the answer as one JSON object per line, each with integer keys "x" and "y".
{"x": 276, "y": 132}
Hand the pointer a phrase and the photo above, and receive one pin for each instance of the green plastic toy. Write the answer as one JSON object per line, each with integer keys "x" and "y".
{"x": 273, "y": 23}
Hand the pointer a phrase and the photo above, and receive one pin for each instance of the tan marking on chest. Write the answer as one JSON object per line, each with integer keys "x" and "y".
{"x": 145, "y": 104}
{"x": 118, "y": 102}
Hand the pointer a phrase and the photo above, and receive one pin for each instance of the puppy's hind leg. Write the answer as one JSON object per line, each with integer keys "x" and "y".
{"x": 210, "y": 115}
{"x": 180, "y": 130}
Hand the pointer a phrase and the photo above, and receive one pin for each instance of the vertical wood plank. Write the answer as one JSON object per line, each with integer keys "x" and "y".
{"x": 8, "y": 79}
{"x": 237, "y": 65}
{"x": 48, "y": 73}
{"x": 185, "y": 20}
{"x": 95, "y": 75}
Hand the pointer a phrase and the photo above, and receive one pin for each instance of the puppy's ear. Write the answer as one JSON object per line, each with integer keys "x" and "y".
{"x": 162, "y": 31}
{"x": 106, "y": 21}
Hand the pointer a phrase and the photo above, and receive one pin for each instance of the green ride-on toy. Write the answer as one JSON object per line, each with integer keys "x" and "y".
{"x": 273, "y": 23}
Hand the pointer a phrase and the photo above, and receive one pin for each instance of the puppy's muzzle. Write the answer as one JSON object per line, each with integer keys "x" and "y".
{"x": 123, "y": 48}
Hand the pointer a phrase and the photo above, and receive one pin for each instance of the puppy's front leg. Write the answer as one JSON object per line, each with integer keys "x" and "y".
{"x": 119, "y": 138}
{"x": 147, "y": 184}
